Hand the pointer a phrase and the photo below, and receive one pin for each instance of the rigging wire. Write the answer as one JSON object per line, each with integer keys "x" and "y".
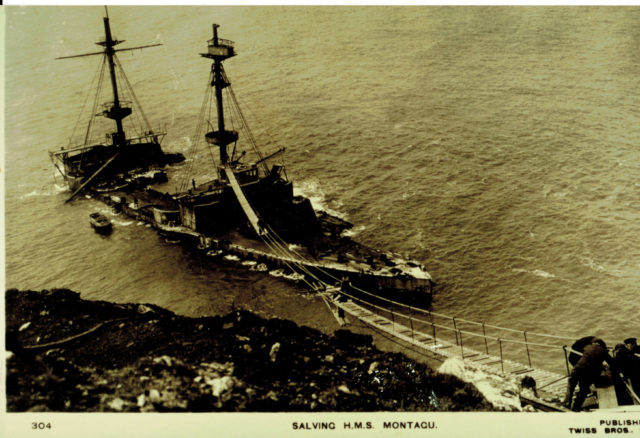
{"x": 285, "y": 252}
{"x": 194, "y": 146}
{"x": 146, "y": 125}
{"x": 229, "y": 110}
{"x": 245, "y": 125}
{"x": 128, "y": 124}
{"x": 235, "y": 113}
{"x": 263, "y": 127}
{"x": 94, "y": 108}
{"x": 98, "y": 74}
{"x": 247, "y": 130}
{"x": 210, "y": 101}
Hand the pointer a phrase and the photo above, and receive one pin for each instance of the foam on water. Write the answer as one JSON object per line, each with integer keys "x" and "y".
{"x": 49, "y": 190}
{"x": 536, "y": 272}
{"x": 32, "y": 193}
{"x": 353, "y": 232}
{"x": 313, "y": 190}
{"x": 122, "y": 223}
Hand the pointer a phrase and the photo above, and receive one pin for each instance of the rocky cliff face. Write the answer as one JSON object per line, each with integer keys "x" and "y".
{"x": 68, "y": 354}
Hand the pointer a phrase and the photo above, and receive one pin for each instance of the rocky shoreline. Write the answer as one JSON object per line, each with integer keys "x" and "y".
{"x": 67, "y": 354}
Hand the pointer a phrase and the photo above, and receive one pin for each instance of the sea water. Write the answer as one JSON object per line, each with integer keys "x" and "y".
{"x": 496, "y": 145}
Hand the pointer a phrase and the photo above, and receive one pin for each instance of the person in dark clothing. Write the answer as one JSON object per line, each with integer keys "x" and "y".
{"x": 632, "y": 345}
{"x": 629, "y": 363}
{"x": 586, "y": 372}
{"x": 529, "y": 382}
{"x": 579, "y": 346}
{"x": 629, "y": 366}
{"x": 623, "y": 360}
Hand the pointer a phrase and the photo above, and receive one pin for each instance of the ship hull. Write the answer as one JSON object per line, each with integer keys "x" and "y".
{"x": 388, "y": 277}
{"x": 77, "y": 166}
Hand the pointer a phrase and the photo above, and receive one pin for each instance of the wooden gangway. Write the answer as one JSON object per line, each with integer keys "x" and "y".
{"x": 417, "y": 326}
{"x": 432, "y": 337}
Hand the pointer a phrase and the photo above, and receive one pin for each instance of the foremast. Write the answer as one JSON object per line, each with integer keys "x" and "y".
{"x": 82, "y": 164}
{"x": 219, "y": 50}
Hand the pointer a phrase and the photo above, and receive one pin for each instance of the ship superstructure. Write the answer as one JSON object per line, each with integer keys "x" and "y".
{"x": 243, "y": 195}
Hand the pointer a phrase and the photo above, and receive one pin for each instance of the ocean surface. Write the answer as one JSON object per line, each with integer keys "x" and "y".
{"x": 500, "y": 146}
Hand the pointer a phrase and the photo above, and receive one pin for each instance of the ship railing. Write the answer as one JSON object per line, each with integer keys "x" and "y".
{"x": 471, "y": 337}
{"x": 67, "y": 150}
{"x": 159, "y": 133}
{"x": 146, "y": 136}
{"x": 221, "y": 42}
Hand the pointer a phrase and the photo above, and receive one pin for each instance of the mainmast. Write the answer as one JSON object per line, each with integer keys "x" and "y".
{"x": 115, "y": 112}
{"x": 219, "y": 50}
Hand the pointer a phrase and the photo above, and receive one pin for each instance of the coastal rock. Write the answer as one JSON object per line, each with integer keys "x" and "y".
{"x": 116, "y": 404}
{"x": 501, "y": 392}
{"x": 273, "y": 353}
{"x": 154, "y": 396}
{"x": 234, "y": 362}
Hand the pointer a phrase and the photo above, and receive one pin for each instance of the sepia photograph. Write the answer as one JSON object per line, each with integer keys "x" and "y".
{"x": 339, "y": 220}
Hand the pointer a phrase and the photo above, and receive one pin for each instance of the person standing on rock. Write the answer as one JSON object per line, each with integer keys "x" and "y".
{"x": 586, "y": 372}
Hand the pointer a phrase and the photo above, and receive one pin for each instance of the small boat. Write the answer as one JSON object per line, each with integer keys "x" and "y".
{"x": 100, "y": 223}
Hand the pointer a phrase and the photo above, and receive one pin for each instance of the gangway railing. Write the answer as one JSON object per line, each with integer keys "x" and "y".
{"x": 483, "y": 338}
{"x": 470, "y": 337}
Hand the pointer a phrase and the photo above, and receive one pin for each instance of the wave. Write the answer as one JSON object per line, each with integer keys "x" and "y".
{"x": 122, "y": 223}
{"x": 44, "y": 191}
{"x": 536, "y": 272}
{"x": 354, "y": 231}
{"x": 313, "y": 191}
{"x": 592, "y": 264}
{"x": 601, "y": 269}
{"x": 31, "y": 194}
{"x": 280, "y": 273}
